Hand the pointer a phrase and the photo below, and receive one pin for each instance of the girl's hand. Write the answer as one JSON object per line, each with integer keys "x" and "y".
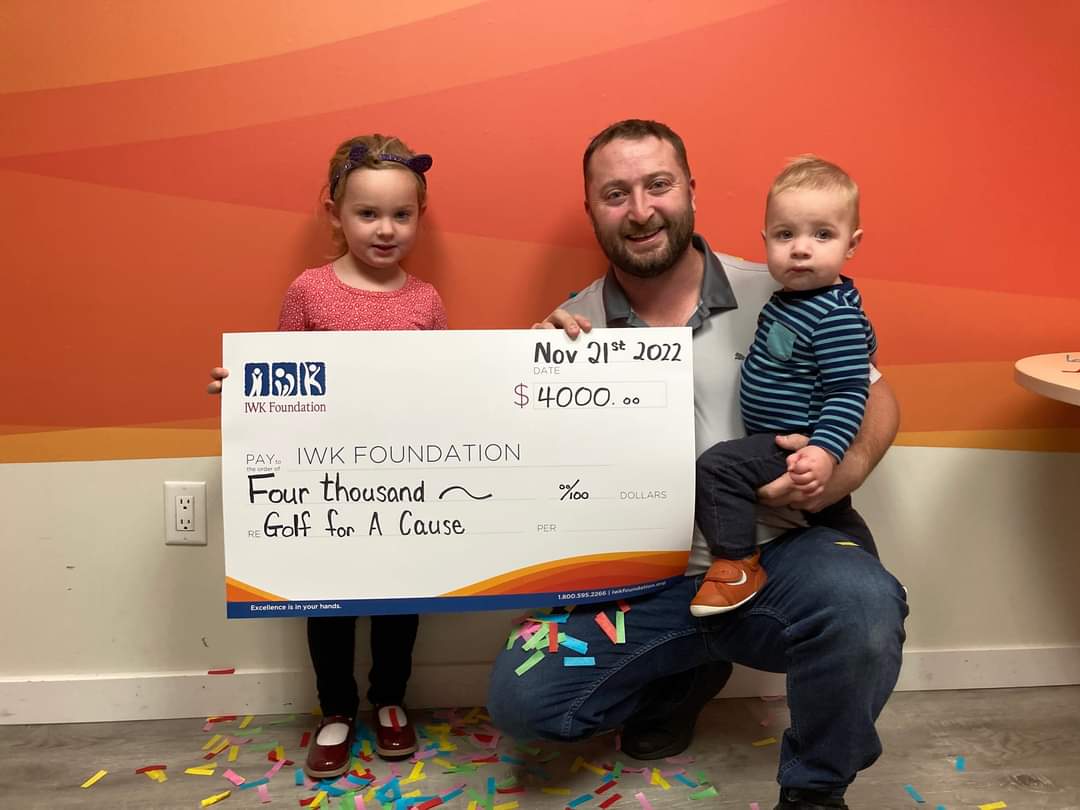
{"x": 217, "y": 375}
{"x": 573, "y": 325}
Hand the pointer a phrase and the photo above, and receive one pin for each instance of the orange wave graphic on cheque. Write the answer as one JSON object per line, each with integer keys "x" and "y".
{"x": 237, "y": 591}
{"x": 587, "y": 572}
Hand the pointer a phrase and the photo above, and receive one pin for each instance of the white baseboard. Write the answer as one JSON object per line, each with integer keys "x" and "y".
{"x": 151, "y": 696}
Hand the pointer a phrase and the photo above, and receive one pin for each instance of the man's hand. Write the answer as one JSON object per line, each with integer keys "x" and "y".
{"x": 880, "y": 423}
{"x": 573, "y": 325}
{"x": 217, "y": 375}
{"x": 810, "y": 469}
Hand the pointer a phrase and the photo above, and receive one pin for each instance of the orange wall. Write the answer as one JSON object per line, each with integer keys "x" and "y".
{"x": 159, "y": 176}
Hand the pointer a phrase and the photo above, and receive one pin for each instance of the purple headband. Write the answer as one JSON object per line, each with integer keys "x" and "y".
{"x": 418, "y": 164}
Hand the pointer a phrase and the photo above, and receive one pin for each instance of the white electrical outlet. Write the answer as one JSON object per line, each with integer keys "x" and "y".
{"x": 185, "y": 513}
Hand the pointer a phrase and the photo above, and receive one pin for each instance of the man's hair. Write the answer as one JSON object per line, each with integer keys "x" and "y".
{"x": 812, "y": 172}
{"x": 635, "y": 129}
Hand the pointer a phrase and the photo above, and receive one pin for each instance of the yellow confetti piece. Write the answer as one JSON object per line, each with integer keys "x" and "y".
{"x": 590, "y": 767}
{"x": 157, "y": 776}
{"x": 472, "y": 805}
{"x": 221, "y": 746}
{"x": 657, "y": 779}
{"x": 412, "y": 794}
{"x": 442, "y": 762}
{"x": 506, "y": 806}
{"x": 93, "y": 780}
{"x": 577, "y": 764}
{"x": 233, "y": 753}
{"x": 993, "y": 806}
{"x": 202, "y": 770}
{"x": 416, "y": 775}
{"x": 366, "y": 748}
{"x": 845, "y": 543}
{"x": 211, "y": 742}
{"x": 763, "y": 742}
{"x": 217, "y": 797}
{"x": 247, "y": 720}
{"x": 280, "y": 751}
{"x": 318, "y": 800}
{"x": 446, "y": 745}
{"x": 556, "y": 791}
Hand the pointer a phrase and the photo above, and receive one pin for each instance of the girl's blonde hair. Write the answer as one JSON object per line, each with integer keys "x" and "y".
{"x": 374, "y": 146}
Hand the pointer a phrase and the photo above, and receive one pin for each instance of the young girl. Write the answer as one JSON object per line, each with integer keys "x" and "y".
{"x": 376, "y": 196}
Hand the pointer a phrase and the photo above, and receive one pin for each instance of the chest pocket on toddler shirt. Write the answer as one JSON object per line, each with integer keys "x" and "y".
{"x": 780, "y": 341}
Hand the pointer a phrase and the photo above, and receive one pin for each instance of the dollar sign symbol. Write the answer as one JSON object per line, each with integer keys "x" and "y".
{"x": 522, "y": 391}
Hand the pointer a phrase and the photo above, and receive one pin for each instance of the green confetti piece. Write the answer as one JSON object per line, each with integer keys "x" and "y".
{"x": 533, "y": 660}
{"x": 270, "y": 746}
{"x": 620, "y": 628}
{"x": 510, "y": 639}
{"x": 618, "y": 769}
{"x": 472, "y": 794}
{"x": 536, "y": 639}
{"x": 708, "y": 793}
{"x": 253, "y": 732}
{"x": 509, "y": 782}
{"x": 291, "y": 718}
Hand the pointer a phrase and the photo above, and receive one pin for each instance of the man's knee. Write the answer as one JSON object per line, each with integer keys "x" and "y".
{"x": 870, "y": 615}
{"x": 518, "y": 711}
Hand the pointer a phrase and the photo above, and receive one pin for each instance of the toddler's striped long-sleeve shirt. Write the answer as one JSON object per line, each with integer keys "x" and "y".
{"x": 808, "y": 370}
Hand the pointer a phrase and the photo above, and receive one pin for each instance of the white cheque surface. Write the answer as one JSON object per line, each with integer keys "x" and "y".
{"x": 387, "y": 472}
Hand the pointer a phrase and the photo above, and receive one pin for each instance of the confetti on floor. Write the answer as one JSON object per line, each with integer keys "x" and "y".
{"x": 93, "y": 780}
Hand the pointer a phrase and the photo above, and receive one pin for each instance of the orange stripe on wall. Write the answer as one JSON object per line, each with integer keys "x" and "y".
{"x": 470, "y": 45}
{"x": 59, "y": 43}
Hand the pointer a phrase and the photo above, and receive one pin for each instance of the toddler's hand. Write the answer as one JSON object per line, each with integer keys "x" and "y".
{"x": 217, "y": 375}
{"x": 810, "y": 469}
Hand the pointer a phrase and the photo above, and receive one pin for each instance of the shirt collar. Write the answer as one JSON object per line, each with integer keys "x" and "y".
{"x": 716, "y": 292}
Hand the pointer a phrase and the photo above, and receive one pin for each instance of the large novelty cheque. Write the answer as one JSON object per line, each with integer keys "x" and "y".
{"x": 402, "y": 472}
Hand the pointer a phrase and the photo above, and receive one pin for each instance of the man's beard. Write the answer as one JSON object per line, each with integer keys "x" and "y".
{"x": 679, "y": 230}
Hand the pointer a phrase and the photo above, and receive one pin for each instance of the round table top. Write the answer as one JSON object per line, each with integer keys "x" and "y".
{"x": 1051, "y": 375}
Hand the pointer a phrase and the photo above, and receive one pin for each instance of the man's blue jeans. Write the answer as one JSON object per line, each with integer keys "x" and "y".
{"x": 830, "y": 616}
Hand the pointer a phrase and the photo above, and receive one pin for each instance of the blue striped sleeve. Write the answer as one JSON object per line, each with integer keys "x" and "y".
{"x": 840, "y": 348}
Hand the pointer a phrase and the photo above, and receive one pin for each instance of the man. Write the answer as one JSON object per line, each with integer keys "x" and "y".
{"x": 831, "y": 616}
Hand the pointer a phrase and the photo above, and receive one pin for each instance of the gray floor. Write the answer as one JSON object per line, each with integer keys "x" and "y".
{"x": 1021, "y": 747}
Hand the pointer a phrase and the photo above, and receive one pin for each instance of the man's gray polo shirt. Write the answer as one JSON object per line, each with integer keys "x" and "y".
{"x": 733, "y": 291}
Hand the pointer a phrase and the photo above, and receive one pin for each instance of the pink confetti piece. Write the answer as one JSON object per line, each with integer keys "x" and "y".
{"x": 273, "y": 771}
{"x": 208, "y": 727}
{"x": 238, "y": 741}
{"x": 679, "y": 760}
{"x": 234, "y": 777}
{"x": 427, "y": 753}
{"x": 359, "y": 801}
{"x": 754, "y": 806}
{"x": 645, "y": 805}
{"x": 264, "y": 794}
{"x": 395, "y": 771}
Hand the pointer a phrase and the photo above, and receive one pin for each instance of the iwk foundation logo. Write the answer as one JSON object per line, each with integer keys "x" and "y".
{"x": 306, "y": 379}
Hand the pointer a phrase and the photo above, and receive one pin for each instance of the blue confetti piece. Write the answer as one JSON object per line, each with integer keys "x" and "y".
{"x": 511, "y": 760}
{"x": 914, "y": 794}
{"x": 299, "y": 776}
{"x": 941, "y": 807}
{"x": 571, "y": 661}
{"x": 453, "y": 794}
{"x": 254, "y": 783}
{"x": 491, "y": 785}
{"x": 685, "y": 781}
{"x": 575, "y": 644}
{"x": 560, "y": 618}
{"x": 961, "y": 763}
{"x": 579, "y": 800}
